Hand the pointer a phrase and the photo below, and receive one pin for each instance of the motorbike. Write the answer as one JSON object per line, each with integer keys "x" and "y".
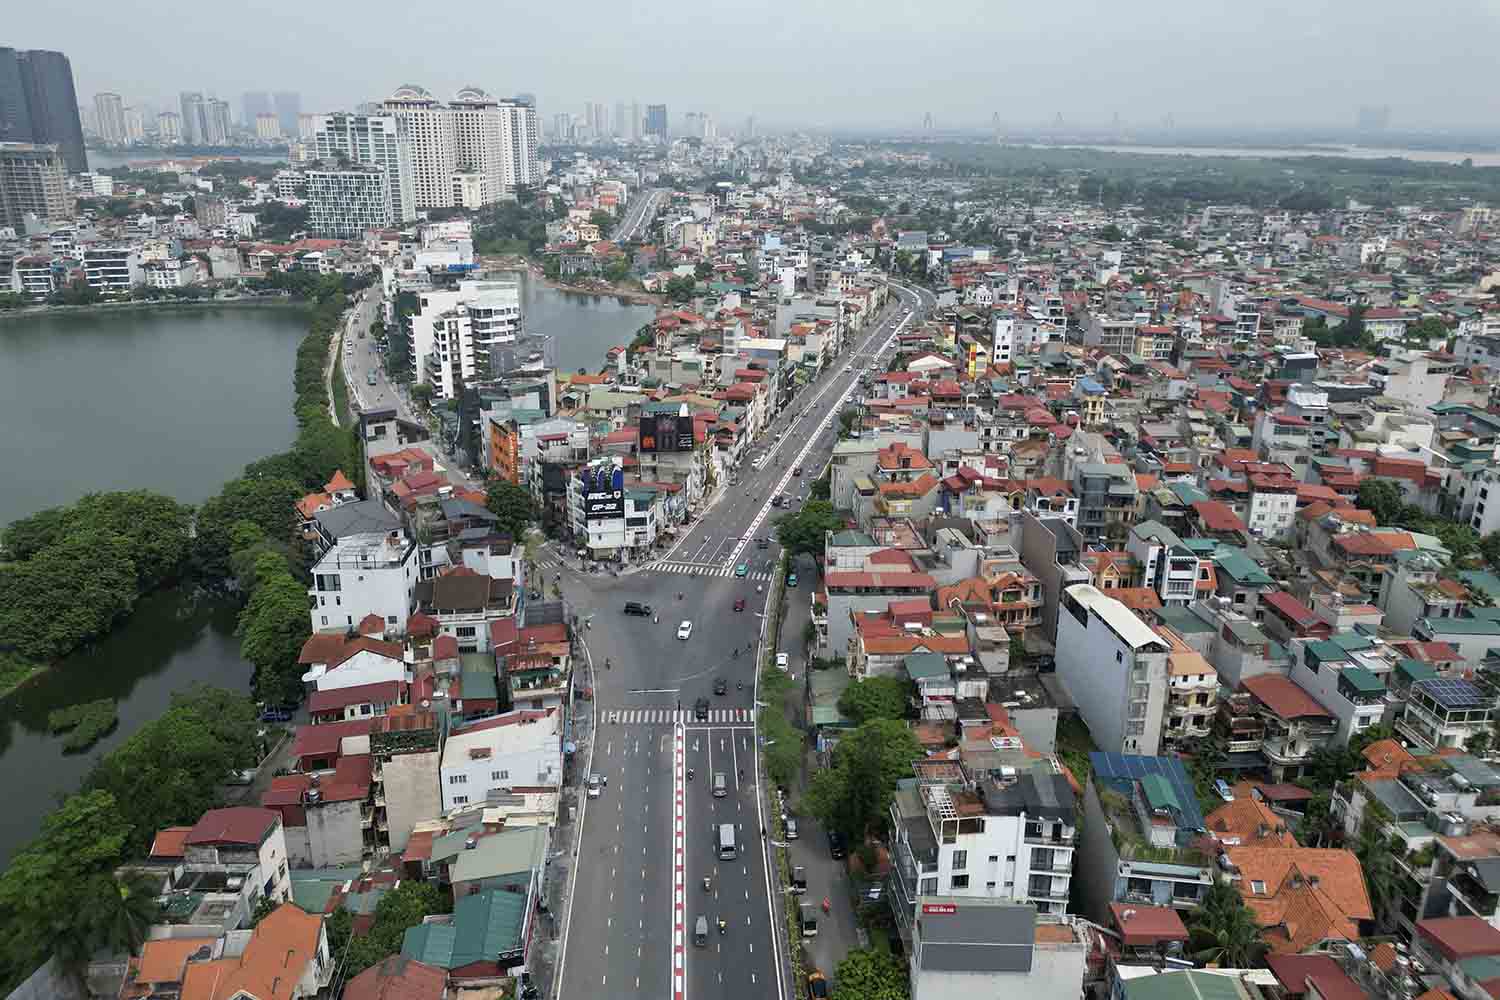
{"x": 690, "y": 774}
{"x": 708, "y": 884}
{"x": 723, "y": 926}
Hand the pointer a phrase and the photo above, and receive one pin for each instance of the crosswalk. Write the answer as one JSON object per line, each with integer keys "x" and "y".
{"x": 698, "y": 569}
{"x": 673, "y": 716}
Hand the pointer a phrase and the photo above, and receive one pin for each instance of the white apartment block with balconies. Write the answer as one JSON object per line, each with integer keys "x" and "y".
{"x": 454, "y": 332}
{"x": 112, "y": 268}
{"x": 362, "y": 574}
{"x": 1114, "y": 666}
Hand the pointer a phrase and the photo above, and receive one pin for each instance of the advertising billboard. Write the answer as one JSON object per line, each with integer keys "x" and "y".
{"x": 666, "y": 432}
{"x": 603, "y": 493}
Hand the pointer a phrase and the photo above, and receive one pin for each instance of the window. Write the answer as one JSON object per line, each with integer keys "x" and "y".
{"x": 465, "y": 631}
{"x": 458, "y": 779}
{"x": 1258, "y": 887}
{"x": 1010, "y": 859}
{"x": 960, "y": 860}
{"x": 990, "y": 886}
{"x": 1119, "y": 656}
{"x": 959, "y": 882}
{"x": 460, "y": 800}
{"x": 364, "y": 710}
{"x": 499, "y": 775}
{"x": 994, "y": 859}
{"x": 928, "y": 887}
{"x": 325, "y": 619}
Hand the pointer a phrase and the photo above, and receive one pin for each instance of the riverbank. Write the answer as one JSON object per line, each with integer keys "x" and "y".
{"x": 595, "y": 287}
{"x": 44, "y": 309}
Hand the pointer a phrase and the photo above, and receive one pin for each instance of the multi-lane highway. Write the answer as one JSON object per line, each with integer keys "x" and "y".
{"x": 638, "y": 215}
{"x": 649, "y": 839}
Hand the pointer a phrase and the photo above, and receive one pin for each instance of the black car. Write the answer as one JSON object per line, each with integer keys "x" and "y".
{"x": 636, "y": 608}
{"x": 835, "y": 844}
{"x": 700, "y": 709}
{"x": 721, "y": 686}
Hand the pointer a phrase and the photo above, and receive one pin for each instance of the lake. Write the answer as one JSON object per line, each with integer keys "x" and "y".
{"x": 582, "y": 326}
{"x": 1332, "y": 149}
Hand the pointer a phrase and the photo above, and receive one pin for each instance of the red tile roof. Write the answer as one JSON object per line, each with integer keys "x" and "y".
{"x": 1147, "y": 925}
{"x": 1460, "y": 937}
{"x": 170, "y": 841}
{"x": 1282, "y": 696}
{"x": 232, "y": 825}
{"x": 335, "y": 699}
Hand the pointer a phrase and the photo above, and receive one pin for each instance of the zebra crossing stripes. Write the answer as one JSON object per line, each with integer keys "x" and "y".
{"x": 673, "y": 716}
{"x": 697, "y": 569}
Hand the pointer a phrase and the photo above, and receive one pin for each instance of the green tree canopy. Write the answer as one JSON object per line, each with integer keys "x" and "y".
{"x": 876, "y": 698}
{"x": 272, "y": 628}
{"x": 1382, "y": 498}
{"x": 67, "y": 593}
{"x": 1223, "y": 930}
{"x": 868, "y": 974}
{"x": 681, "y": 288}
{"x": 269, "y": 503}
{"x": 513, "y": 505}
{"x": 399, "y": 909}
{"x": 854, "y": 795}
{"x": 803, "y": 532}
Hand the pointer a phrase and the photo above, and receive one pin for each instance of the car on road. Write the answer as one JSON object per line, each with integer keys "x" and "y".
{"x": 796, "y": 470}
{"x": 835, "y": 844}
{"x": 783, "y": 662}
{"x": 791, "y": 579}
{"x": 817, "y": 985}
{"x": 685, "y": 630}
{"x": 636, "y": 608}
{"x": 721, "y": 686}
{"x": 596, "y": 785}
{"x": 739, "y": 604}
{"x": 370, "y": 379}
{"x": 791, "y": 828}
{"x": 742, "y": 570}
{"x": 700, "y": 709}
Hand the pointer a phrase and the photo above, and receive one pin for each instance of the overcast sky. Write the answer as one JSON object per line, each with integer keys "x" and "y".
{"x": 816, "y": 62}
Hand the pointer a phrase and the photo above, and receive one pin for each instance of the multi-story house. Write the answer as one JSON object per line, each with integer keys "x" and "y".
{"x": 990, "y": 832}
{"x": 112, "y": 268}
{"x": 405, "y": 783}
{"x": 363, "y": 573}
{"x": 1347, "y": 674}
{"x": 1443, "y": 713}
{"x": 1174, "y": 571}
{"x": 1107, "y": 499}
{"x": 1192, "y": 695}
{"x": 464, "y": 604}
{"x": 1115, "y": 668}
{"x": 1141, "y": 822}
{"x": 519, "y": 748}
{"x": 1285, "y": 724}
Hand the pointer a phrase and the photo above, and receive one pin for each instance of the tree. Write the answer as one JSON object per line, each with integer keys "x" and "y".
{"x": 1224, "y": 930}
{"x": 264, "y": 907}
{"x": 123, "y": 911}
{"x": 803, "y": 532}
{"x": 875, "y": 698}
{"x": 513, "y": 505}
{"x": 1111, "y": 233}
{"x": 399, "y": 909}
{"x": 1479, "y": 744}
{"x": 603, "y": 220}
{"x": 1381, "y": 498}
{"x": 681, "y": 288}
{"x": 868, "y": 974}
{"x": 703, "y": 270}
{"x": 822, "y": 487}
{"x": 855, "y": 793}
{"x": 48, "y": 607}
{"x": 1318, "y": 827}
{"x": 272, "y": 628}
{"x": 268, "y": 502}
{"x": 1377, "y": 861}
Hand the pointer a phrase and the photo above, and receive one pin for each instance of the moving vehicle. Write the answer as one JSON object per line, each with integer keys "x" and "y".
{"x": 796, "y": 470}
{"x": 791, "y": 579}
{"x": 742, "y": 570}
{"x": 835, "y": 844}
{"x": 720, "y": 686}
{"x": 596, "y": 785}
{"x": 700, "y": 931}
{"x": 685, "y": 630}
{"x": 636, "y": 608}
{"x": 721, "y": 785}
{"x": 739, "y": 604}
{"x": 807, "y": 919}
{"x": 783, "y": 662}
{"x": 727, "y": 850}
{"x": 700, "y": 709}
{"x": 817, "y": 985}
{"x": 791, "y": 828}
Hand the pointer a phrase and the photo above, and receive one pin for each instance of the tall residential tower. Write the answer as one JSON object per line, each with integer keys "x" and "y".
{"x": 39, "y": 104}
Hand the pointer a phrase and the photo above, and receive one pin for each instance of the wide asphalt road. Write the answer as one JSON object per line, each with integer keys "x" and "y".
{"x": 638, "y": 215}
{"x": 620, "y": 938}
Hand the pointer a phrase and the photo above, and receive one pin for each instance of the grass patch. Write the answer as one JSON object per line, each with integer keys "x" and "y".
{"x": 16, "y": 670}
{"x": 1074, "y": 744}
{"x": 85, "y": 724}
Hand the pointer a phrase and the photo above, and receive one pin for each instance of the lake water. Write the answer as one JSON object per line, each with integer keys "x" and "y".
{"x": 103, "y": 160}
{"x": 1351, "y": 152}
{"x": 176, "y": 400}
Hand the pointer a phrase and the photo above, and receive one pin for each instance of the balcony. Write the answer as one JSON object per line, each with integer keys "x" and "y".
{"x": 1054, "y": 840}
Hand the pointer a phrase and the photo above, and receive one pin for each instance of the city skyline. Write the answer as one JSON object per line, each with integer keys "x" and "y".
{"x": 1251, "y": 69}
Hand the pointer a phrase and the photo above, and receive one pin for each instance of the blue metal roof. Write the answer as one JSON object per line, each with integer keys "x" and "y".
{"x": 1130, "y": 768}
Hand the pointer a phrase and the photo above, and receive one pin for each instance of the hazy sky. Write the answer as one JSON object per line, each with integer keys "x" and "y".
{"x": 824, "y": 62}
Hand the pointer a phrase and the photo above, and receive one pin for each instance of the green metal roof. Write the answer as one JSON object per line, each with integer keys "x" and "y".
{"x": 1363, "y": 681}
{"x": 485, "y": 926}
{"x": 505, "y": 852}
{"x": 926, "y": 666}
{"x": 1188, "y": 985}
{"x": 1416, "y": 670}
{"x": 1159, "y": 793}
{"x": 1482, "y": 581}
{"x": 1326, "y": 651}
{"x": 1240, "y": 567}
{"x": 1181, "y": 620}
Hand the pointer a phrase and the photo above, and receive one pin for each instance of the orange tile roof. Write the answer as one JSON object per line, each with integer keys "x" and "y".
{"x": 165, "y": 960}
{"x": 1295, "y": 913}
{"x": 170, "y": 842}
{"x": 1249, "y": 822}
{"x": 278, "y": 952}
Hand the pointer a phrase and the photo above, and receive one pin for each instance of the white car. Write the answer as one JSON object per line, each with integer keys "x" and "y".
{"x": 685, "y": 630}
{"x": 783, "y": 662}
{"x": 594, "y": 786}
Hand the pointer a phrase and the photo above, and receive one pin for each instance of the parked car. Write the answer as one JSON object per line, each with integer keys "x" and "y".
{"x": 791, "y": 579}
{"x": 1225, "y": 792}
{"x": 783, "y": 662}
{"x": 835, "y": 844}
{"x": 791, "y": 828}
{"x": 370, "y": 379}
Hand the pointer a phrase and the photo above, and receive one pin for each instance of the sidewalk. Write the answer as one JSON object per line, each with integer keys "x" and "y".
{"x": 838, "y": 932}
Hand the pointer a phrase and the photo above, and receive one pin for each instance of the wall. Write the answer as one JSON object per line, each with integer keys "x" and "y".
{"x": 411, "y": 793}
{"x": 1056, "y": 974}
{"x": 334, "y": 835}
{"x": 1096, "y": 863}
{"x": 1098, "y": 684}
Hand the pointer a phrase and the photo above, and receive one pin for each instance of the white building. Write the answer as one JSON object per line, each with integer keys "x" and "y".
{"x": 519, "y": 748}
{"x": 475, "y": 135}
{"x": 267, "y": 126}
{"x": 454, "y": 332}
{"x": 112, "y": 268}
{"x": 433, "y": 144}
{"x": 1115, "y": 668}
{"x": 964, "y": 948}
{"x": 362, "y": 574}
{"x": 376, "y": 141}
{"x": 610, "y": 521}
{"x": 1004, "y": 343}
{"x": 173, "y": 272}
{"x": 246, "y": 841}
{"x": 344, "y": 202}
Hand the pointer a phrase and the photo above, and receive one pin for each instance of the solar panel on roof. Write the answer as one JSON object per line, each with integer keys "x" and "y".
{"x": 1134, "y": 767}
{"x": 1452, "y": 693}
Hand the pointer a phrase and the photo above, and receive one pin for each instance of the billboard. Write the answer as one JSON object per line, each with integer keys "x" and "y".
{"x": 666, "y": 432}
{"x": 603, "y": 493}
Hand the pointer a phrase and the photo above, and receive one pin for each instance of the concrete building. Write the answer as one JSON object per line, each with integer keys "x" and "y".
{"x": 109, "y": 111}
{"x": 169, "y": 128}
{"x": 1115, "y": 668}
{"x": 404, "y": 746}
{"x": 33, "y": 182}
{"x": 520, "y": 748}
{"x": 245, "y": 841}
{"x": 656, "y": 121}
{"x": 372, "y": 140}
{"x": 475, "y": 136}
{"x": 453, "y": 333}
{"x": 363, "y": 573}
{"x": 267, "y": 126}
{"x": 345, "y": 202}
{"x": 38, "y": 103}
{"x": 112, "y": 268}
{"x": 992, "y": 949}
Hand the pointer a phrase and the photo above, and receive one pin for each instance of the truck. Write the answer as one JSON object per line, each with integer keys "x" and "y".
{"x": 725, "y": 838}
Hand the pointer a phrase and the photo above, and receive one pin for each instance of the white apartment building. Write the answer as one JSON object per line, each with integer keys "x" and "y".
{"x": 171, "y": 273}
{"x": 112, "y": 268}
{"x": 1007, "y": 835}
{"x": 474, "y": 145}
{"x": 518, "y": 748}
{"x": 361, "y": 574}
{"x": 453, "y": 332}
{"x": 342, "y": 203}
{"x": 376, "y": 141}
{"x": 1115, "y": 668}
{"x": 35, "y": 277}
{"x": 1003, "y": 345}
{"x": 1169, "y": 567}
